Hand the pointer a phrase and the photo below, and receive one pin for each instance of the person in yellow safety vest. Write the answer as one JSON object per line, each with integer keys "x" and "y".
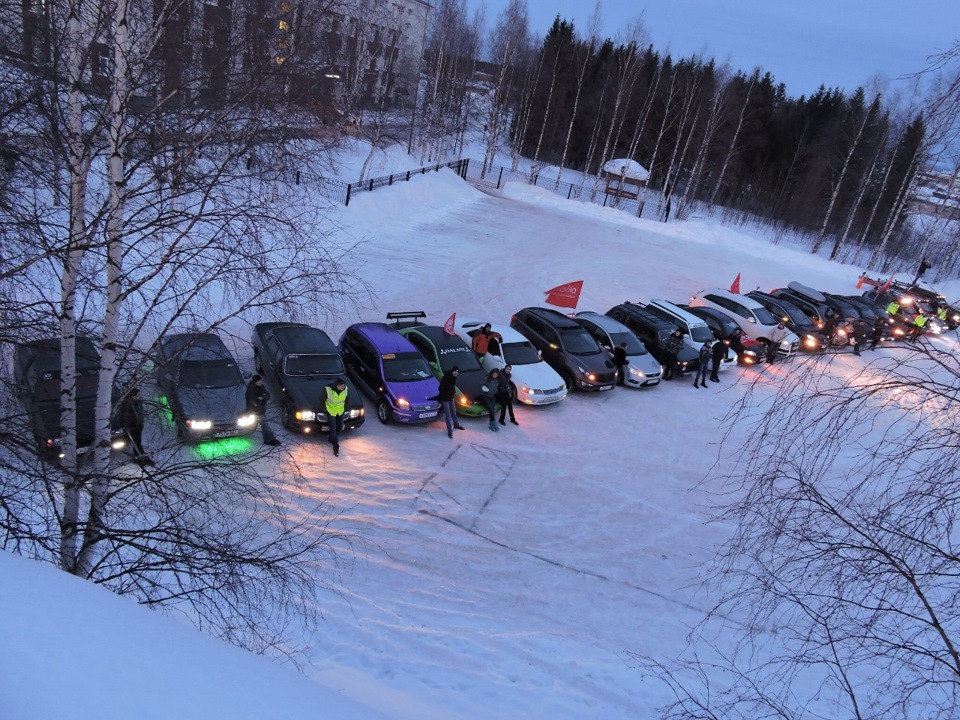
{"x": 942, "y": 314}
{"x": 335, "y": 404}
{"x": 918, "y": 324}
{"x": 893, "y": 308}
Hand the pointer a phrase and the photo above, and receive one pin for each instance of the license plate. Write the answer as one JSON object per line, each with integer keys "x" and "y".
{"x": 428, "y": 414}
{"x": 224, "y": 433}
{"x": 606, "y": 387}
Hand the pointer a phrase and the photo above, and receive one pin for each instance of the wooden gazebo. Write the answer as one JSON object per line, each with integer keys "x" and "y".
{"x": 625, "y": 178}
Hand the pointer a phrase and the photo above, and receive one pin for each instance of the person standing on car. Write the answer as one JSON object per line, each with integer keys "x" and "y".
{"x": 620, "y": 362}
{"x": 488, "y": 394}
{"x": 505, "y": 394}
{"x": 448, "y": 391}
{"x": 335, "y": 404}
{"x": 718, "y": 354}
{"x": 672, "y": 348}
{"x": 131, "y": 417}
{"x": 257, "y": 397}
{"x": 706, "y": 352}
{"x": 481, "y": 341}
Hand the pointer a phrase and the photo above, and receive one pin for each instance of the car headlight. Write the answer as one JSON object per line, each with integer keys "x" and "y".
{"x": 355, "y": 413}
{"x": 525, "y": 390}
{"x": 637, "y": 372}
{"x": 403, "y": 403}
{"x": 897, "y": 331}
{"x": 841, "y": 332}
{"x": 463, "y": 400}
{"x": 54, "y": 442}
{"x": 591, "y": 377}
{"x": 750, "y": 353}
{"x": 305, "y": 415}
{"x": 785, "y": 344}
{"x": 247, "y": 420}
{"x": 956, "y": 318}
{"x": 810, "y": 341}
{"x": 118, "y": 444}
{"x": 199, "y": 425}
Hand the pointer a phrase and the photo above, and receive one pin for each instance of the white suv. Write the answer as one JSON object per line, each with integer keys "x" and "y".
{"x": 753, "y": 318}
{"x": 695, "y": 331}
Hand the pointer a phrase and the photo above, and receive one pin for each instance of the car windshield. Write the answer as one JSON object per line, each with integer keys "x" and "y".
{"x": 634, "y": 346}
{"x": 206, "y": 374}
{"x": 405, "y": 367}
{"x": 866, "y": 311}
{"x": 462, "y": 357}
{"x": 795, "y": 314}
{"x": 700, "y": 333}
{"x": 578, "y": 341}
{"x": 313, "y": 365}
{"x": 764, "y": 316}
{"x": 48, "y": 389}
{"x": 520, "y": 353}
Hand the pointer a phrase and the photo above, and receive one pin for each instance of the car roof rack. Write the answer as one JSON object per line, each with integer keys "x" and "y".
{"x": 806, "y": 291}
{"x": 407, "y": 319}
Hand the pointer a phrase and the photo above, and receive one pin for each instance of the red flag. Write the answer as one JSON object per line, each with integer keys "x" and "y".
{"x": 860, "y": 282}
{"x": 735, "y": 285}
{"x": 448, "y": 325}
{"x": 567, "y": 295}
{"x": 887, "y": 284}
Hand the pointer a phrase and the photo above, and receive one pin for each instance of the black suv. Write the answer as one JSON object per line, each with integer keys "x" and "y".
{"x": 36, "y": 371}
{"x": 567, "y": 348}
{"x": 653, "y": 332}
{"x": 811, "y": 338}
{"x": 303, "y": 360}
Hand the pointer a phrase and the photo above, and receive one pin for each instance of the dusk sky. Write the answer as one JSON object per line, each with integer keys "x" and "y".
{"x": 837, "y": 43}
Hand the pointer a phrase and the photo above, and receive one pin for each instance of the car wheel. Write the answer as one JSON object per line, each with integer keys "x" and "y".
{"x": 568, "y": 381}
{"x": 285, "y": 416}
{"x": 513, "y": 392}
{"x": 384, "y": 413}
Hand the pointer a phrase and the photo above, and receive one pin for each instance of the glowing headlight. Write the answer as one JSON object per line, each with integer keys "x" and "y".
{"x": 118, "y": 444}
{"x": 841, "y": 332}
{"x": 463, "y": 400}
{"x": 637, "y": 372}
{"x": 247, "y": 420}
{"x": 355, "y": 413}
{"x": 54, "y": 442}
{"x": 525, "y": 390}
{"x": 403, "y": 403}
{"x": 306, "y": 415}
{"x": 956, "y": 318}
{"x": 810, "y": 342}
{"x": 199, "y": 425}
{"x": 897, "y": 331}
{"x": 748, "y": 360}
{"x": 591, "y": 377}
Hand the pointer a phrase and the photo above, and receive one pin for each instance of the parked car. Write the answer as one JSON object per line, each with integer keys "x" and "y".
{"x": 653, "y": 331}
{"x": 444, "y": 351}
{"x": 567, "y": 348}
{"x": 303, "y": 360}
{"x": 642, "y": 369}
{"x": 695, "y": 331}
{"x": 899, "y": 326}
{"x": 753, "y": 318}
{"x": 801, "y": 296}
{"x": 203, "y": 387}
{"x": 391, "y": 371}
{"x": 36, "y": 374}
{"x": 812, "y": 340}
{"x": 752, "y": 351}
{"x": 534, "y": 381}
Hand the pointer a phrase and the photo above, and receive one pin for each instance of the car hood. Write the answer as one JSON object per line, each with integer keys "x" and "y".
{"x": 599, "y": 363}
{"x": 415, "y": 392}
{"x": 309, "y": 391}
{"x": 216, "y": 404}
{"x": 469, "y": 382}
{"x": 647, "y": 364}
{"x": 537, "y": 376}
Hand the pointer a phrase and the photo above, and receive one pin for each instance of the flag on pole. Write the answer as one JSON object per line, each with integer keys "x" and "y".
{"x": 735, "y": 285}
{"x": 567, "y": 295}
{"x": 887, "y": 284}
{"x": 860, "y": 282}
{"x": 448, "y": 325}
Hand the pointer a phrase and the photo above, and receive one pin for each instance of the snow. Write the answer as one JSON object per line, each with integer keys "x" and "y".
{"x": 496, "y": 575}
{"x": 628, "y": 168}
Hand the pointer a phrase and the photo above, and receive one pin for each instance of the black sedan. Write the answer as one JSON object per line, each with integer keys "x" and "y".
{"x": 202, "y": 385}
{"x": 303, "y": 360}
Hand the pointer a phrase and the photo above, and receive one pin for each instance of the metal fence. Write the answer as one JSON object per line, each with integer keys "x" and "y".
{"x": 458, "y": 166}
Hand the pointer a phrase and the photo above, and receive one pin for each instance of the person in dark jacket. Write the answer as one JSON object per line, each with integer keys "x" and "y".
{"x": 488, "y": 394}
{"x": 620, "y": 362}
{"x": 876, "y": 335}
{"x": 257, "y": 397}
{"x": 335, "y": 405}
{"x": 719, "y": 353}
{"x": 131, "y": 418}
{"x": 505, "y": 394}
{"x": 672, "y": 346}
{"x": 446, "y": 396}
{"x": 706, "y": 352}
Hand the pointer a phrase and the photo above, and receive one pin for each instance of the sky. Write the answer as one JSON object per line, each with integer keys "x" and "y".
{"x": 493, "y": 576}
{"x": 837, "y": 43}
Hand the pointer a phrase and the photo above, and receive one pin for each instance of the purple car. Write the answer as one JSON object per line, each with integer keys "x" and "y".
{"x": 390, "y": 370}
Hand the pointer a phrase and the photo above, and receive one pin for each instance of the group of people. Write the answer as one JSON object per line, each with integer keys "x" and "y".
{"x": 712, "y": 355}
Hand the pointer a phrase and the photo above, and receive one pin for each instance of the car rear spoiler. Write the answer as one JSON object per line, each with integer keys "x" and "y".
{"x": 407, "y": 319}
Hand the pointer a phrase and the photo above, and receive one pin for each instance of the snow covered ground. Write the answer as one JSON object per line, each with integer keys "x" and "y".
{"x": 496, "y": 575}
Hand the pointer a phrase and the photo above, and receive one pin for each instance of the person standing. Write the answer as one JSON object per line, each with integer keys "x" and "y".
{"x": 505, "y": 394}
{"x": 257, "y": 397}
{"x": 877, "y": 334}
{"x": 718, "y": 354}
{"x": 706, "y": 352}
{"x": 672, "y": 347}
{"x": 481, "y": 341}
{"x": 488, "y": 393}
{"x": 777, "y": 336}
{"x": 620, "y": 362}
{"x": 131, "y": 417}
{"x": 335, "y": 404}
{"x": 446, "y": 395}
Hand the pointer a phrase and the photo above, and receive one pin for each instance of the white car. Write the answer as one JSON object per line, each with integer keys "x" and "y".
{"x": 643, "y": 370}
{"x": 695, "y": 331}
{"x": 535, "y": 382}
{"x": 754, "y": 320}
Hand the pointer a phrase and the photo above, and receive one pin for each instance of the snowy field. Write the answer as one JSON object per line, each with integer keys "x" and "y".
{"x": 495, "y": 575}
